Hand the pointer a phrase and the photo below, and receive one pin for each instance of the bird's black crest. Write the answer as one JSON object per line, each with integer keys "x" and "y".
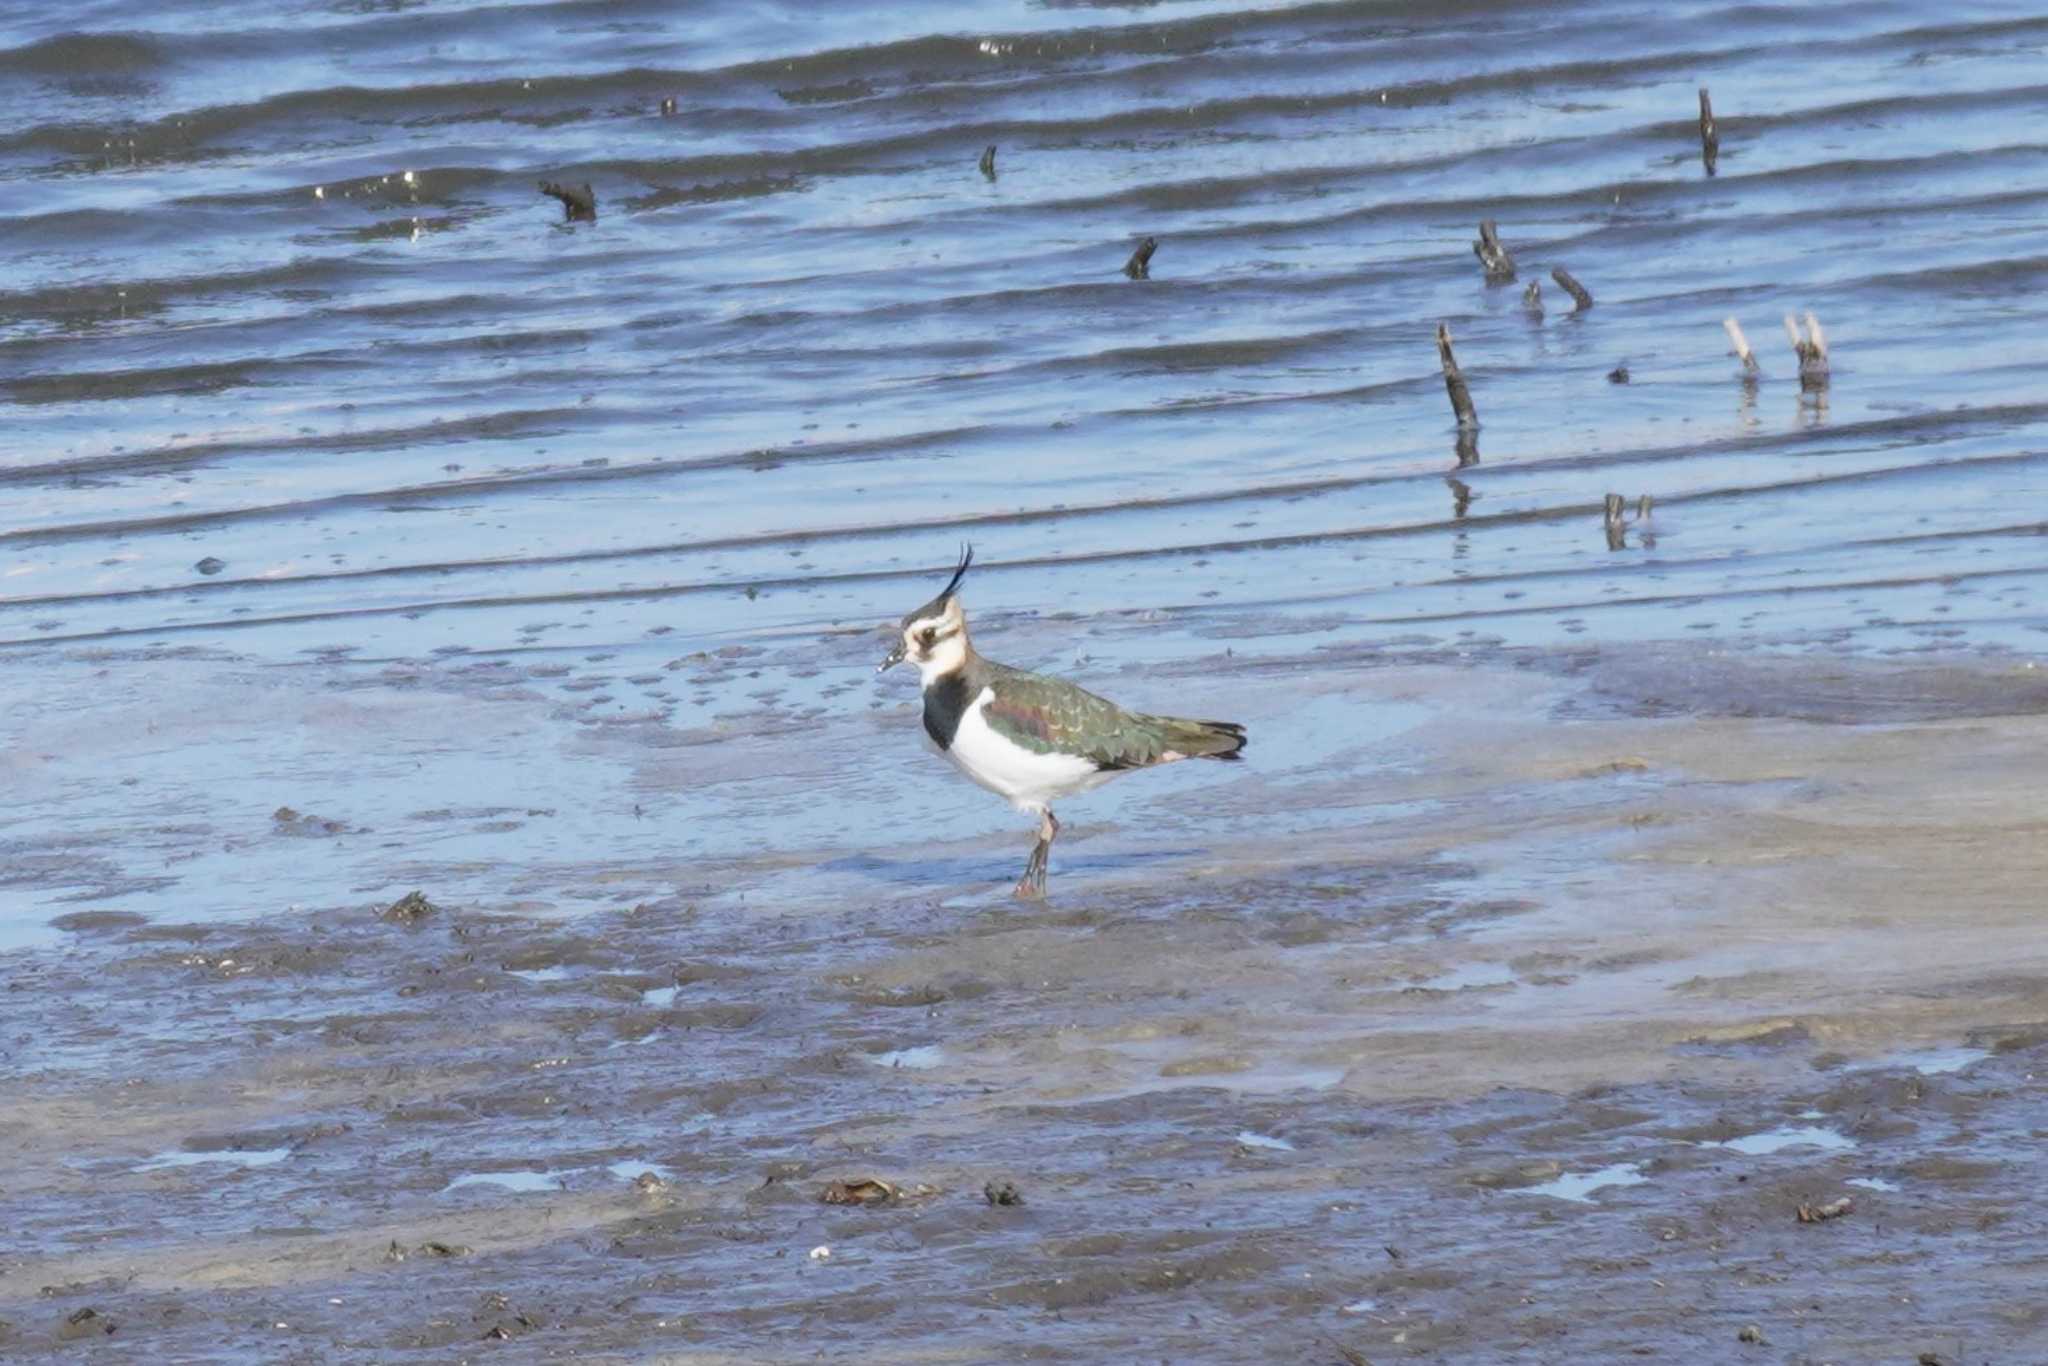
{"x": 938, "y": 604}
{"x": 966, "y": 558}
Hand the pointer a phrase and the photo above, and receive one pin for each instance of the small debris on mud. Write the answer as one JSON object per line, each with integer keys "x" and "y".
{"x": 2007, "y": 1038}
{"x": 1820, "y": 1214}
{"x": 1002, "y": 1193}
{"x": 211, "y": 565}
{"x": 866, "y": 1190}
{"x": 431, "y": 1248}
{"x": 1753, "y": 1336}
{"x": 648, "y": 1183}
{"x": 820, "y": 1253}
{"x": 410, "y": 909}
{"x": 505, "y": 1322}
{"x": 85, "y": 1323}
{"x": 290, "y": 822}
{"x": 893, "y": 997}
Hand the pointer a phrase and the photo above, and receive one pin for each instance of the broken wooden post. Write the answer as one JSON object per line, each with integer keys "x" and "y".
{"x": 1532, "y": 298}
{"x": 1454, "y": 379}
{"x": 1581, "y": 300}
{"x": 1617, "y": 528}
{"x": 1466, "y": 447}
{"x": 1139, "y": 267}
{"x": 1500, "y": 267}
{"x": 576, "y": 203}
{"x": 1812, "y": 350}
{"x": 1741, "y": 345}
{"x": 988, "y": 162}
{"x": 1710, "y": 140}
{"x": 668, "y": 106}
{"x": 1643, "y": 506}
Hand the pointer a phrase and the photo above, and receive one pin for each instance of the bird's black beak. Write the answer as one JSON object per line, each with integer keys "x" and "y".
{"x": 892, "y": 659}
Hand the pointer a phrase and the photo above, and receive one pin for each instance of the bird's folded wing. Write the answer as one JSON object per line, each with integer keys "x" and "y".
{"x": 1050, "y": 716}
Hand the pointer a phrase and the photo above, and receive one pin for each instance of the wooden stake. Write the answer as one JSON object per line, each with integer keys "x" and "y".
{"x": 1139, "y": 267}
{"x": 1710, "y": 139}
{"x": 1581, "y": 300}
{"x": 1812, "y": 350}
{"x": 1500, "y": 266}
{"x": 1454, "y": 379}
{"x": 988, "y": 162}
{"x": 1532, "y": 297}
{"x": 1741, "y": 345}
{"x": 1818, "y": 340}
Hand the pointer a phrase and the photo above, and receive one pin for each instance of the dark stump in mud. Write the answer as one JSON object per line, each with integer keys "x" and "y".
{"x": 1710, "y": 137}
{"x": 579, "y": 202}
{"x": 1454, "y": 379}
{"x": 1495, "y": 258}
{"x": 1582, "y": 298}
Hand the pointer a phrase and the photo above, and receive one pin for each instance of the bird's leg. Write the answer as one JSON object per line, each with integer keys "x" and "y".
{"x": 1031, "y": 887}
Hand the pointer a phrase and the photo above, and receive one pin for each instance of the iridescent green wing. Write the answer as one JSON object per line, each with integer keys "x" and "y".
{"x": 1052, "y": 716}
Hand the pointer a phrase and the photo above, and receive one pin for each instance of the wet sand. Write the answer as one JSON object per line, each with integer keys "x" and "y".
{"x": 1519, "y": 1029}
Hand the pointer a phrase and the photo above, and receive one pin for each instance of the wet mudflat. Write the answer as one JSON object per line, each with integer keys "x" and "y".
{"x": 1538, "y": 990}
{"x": 1537, "y": 1056}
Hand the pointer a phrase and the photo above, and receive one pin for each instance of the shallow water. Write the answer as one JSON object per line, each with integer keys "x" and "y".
{"x": 1778, "y": 1140}
{"x": 1578, "y": 1187}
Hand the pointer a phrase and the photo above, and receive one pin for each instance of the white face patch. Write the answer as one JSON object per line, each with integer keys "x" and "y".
{"x": 937, "y": 644}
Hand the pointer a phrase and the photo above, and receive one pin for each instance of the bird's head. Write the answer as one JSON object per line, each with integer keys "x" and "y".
{"x": 934, "y": 636}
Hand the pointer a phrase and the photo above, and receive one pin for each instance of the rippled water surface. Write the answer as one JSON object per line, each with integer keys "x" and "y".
{"x": 279, "y": 297}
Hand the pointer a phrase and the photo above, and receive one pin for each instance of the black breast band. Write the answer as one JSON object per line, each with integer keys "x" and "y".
{"x": 945, "y": 702}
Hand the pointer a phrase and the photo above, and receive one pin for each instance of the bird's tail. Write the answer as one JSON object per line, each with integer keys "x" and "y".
{"x": 1203, "y": 739}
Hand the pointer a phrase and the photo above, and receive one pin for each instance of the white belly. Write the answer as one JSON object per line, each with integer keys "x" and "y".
{"x": 1027, "y": 780}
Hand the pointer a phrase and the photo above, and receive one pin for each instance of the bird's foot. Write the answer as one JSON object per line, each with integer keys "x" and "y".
{"x": 1030, "y": 889}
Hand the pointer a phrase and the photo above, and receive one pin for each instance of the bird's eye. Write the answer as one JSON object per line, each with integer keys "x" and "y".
{"x": 928, "y": 637}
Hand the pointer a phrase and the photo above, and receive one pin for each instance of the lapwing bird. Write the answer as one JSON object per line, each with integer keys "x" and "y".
{"x": 1031, "y": 739}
